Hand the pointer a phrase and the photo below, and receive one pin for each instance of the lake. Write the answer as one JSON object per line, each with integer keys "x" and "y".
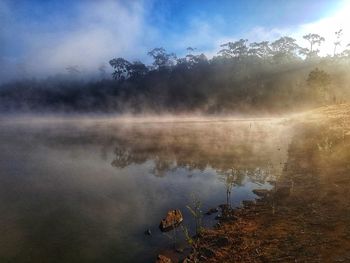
{"x": 85, "y": 189}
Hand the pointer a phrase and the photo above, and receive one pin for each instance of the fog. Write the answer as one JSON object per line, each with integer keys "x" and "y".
{"x": 74, "y": 189}
{"x": 112, "y": 57}
{"x": 88, "y": 35}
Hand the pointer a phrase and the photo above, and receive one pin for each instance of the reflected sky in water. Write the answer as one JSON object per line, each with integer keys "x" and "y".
{"x": 86, "y": 190}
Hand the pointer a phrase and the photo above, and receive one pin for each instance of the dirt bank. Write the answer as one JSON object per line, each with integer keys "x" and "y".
{"x": 306, "y": 217}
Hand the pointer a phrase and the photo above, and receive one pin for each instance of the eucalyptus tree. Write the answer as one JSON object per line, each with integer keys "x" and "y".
{"x": 121, "y": 68}
{"x": 190, "y": 60}
{"x": 346, "y": 52}
{"x": 137, "y": 69}
{"x": 190, "y": 49}
{"x": 285, "y": 49}
{"x": 337, "y": 42}
{"x": 237, "y": 49}
{"x": 260, "y": 49}
{"x": 313, "y": 39}
{"x": 193, "y": 60}
{"x": 162, "y": 59}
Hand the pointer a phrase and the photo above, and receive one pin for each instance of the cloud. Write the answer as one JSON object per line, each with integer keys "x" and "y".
{"x": 99, "y": 31}
{"x": 325, "y": 27}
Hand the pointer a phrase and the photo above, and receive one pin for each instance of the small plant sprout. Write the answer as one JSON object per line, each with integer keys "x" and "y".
{"x": 196, "y": 212}
{"x": 230, "y": 179}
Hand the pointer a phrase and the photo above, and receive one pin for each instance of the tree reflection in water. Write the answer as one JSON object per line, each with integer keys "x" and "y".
{"x": 235, "y": 151}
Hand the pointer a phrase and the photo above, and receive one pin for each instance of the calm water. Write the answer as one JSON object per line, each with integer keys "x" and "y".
{"x": 85, "y": 190}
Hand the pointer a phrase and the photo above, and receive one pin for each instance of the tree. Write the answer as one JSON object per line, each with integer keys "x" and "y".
{"x": 346, "y": 52}
{"x": 319, "y": 81}
{"x": 337, "y": 42}
{"x": 192, "y": 60}
{"x": 236, "y": 49}
{"x": 121, "y": 68}
{"x": 285, "y": 48}
{"x": 260, "y": 49}
{"x": 161, "y": 58}
{"x": 313, "y": 39}
{"x": 190, "y": 50}
{"x": 137, "y": 69}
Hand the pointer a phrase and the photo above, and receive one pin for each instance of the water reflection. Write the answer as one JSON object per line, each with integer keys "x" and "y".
{"x": 86, "y": 191}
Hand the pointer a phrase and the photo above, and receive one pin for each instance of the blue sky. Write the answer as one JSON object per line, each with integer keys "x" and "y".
{"x": 48, "y": 35}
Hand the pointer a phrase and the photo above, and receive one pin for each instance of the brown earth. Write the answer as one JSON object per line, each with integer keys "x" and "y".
{"x": 306, "y": 217}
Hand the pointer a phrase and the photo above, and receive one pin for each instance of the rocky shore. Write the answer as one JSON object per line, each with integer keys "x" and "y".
{"x": 306, "y": 216}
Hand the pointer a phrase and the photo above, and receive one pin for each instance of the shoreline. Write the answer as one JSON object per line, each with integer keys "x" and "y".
{"x": 306, "y": 216}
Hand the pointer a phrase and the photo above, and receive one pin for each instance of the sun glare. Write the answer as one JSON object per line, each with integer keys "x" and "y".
{"x": 327, "y": 27}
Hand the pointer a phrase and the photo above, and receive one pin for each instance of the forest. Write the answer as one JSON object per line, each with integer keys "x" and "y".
{"x": 259, "y": 77}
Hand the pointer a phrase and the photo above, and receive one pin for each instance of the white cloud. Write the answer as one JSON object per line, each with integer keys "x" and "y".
{"x": 108, "y": 28}
{"x": 102, "y": 30}
{"x": 325, "y": 27}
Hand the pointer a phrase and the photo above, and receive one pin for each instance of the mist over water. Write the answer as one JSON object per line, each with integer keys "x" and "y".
{"x": 114, "y": 113}
{"x": 86, "y": 190}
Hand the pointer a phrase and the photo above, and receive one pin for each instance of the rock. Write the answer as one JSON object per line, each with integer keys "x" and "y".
{"x": 222, "y": 241}
{"x": 163, "y": 259}
{"x": 218, "y": 217}
{"x": 148, "y": 232}
{"x": 173, "y": 219}
{"x": 212, "y": 211}
{"x": 261, "y": 192}
{"x": 207, "y": 252}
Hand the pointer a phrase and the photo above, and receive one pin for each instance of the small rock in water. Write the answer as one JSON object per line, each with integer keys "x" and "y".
{"x": 148, "y": 232}
{"x": 173, "y": 219}
{"x": 163, "y": 259}
{"x": 218, "y": 217}
{"x": 212, "y": 211}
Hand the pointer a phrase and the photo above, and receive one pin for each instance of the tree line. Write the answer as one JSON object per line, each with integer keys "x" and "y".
{"x": 249, "y": 77}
